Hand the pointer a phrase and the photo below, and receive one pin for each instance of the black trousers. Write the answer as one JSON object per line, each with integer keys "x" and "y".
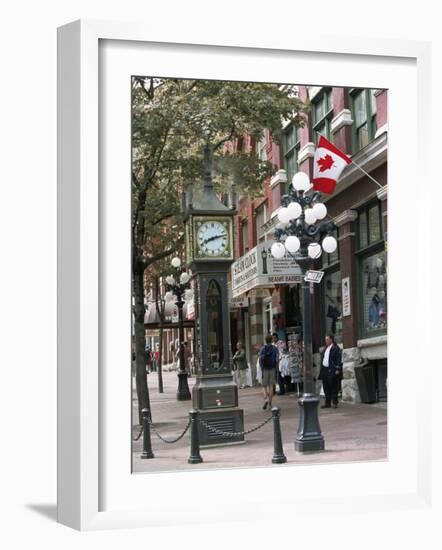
{"x": 281, "y": 384}
{"x": 330, "y": 383}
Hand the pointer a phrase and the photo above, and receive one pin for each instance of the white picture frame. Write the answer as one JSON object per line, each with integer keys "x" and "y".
{"x": 93, "y": 494}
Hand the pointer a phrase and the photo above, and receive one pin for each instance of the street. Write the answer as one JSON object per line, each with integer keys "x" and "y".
{"x": 353, "y": 432}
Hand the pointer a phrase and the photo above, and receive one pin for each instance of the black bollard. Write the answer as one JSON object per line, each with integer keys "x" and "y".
{"x": 278, "y": 452}
{"x": 195, "y": 457}
{"x": 147, "y": 445}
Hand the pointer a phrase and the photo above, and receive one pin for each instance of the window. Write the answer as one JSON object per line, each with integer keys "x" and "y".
{"x": 322, "y": 113}
{"x": 214, "y": 325}
{"x": 291, "y": 145}
{"x": 245, "y": 237}
{"x": 369, "y": 225}
{"x": 332, "y": 304}
{"x": 374, "y": 293}
{"x": 364, "y": 115}
{"x": 267, "y": 316}
{"x": 261, "y": 218}
{"x": 372, "y": 271}
{"x": 261, "y": 147}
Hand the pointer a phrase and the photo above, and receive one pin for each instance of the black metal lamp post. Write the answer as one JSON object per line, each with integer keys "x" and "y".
{"x": 298, "y": 233}
{"x": 176, "y": 286}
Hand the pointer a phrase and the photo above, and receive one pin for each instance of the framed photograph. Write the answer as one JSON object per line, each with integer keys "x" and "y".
{"x": 102, "y": 482}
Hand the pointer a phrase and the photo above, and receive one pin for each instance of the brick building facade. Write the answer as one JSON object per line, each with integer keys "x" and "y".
{"x": 351, "y": 301}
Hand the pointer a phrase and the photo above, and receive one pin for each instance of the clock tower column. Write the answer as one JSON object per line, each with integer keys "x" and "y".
{"x": 209, "y": 248}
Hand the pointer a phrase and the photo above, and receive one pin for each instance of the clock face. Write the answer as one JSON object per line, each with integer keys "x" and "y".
{"x": 213, "y": 239}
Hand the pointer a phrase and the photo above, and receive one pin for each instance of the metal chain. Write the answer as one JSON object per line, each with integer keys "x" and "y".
{"x": 138, "y": 436}
{"x": 169, "y": 440}
{"x": 234, "y": 434}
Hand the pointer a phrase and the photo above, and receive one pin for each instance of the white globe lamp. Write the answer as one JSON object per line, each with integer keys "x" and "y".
{"x": 284, "y": 216}
{"x": 170, "y": 280}
{"x": 301, "y": 182}
{"x": 319, "y": 210}
{"x": 329, "y": 244}
{"x": 295, "y": 210}
{"x": 184, "y": 278}
{"x": 310, "y": 217}
{"x": 292, "y": 244}
{"x": 176, "y": 262}
{"x": 278, "y": 250}
{"x": 314, "y": 250}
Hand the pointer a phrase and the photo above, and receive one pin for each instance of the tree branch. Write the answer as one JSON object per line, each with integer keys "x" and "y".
{"x": 163, "y": 254}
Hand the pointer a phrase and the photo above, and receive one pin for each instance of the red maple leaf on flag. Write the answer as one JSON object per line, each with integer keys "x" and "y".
{"x": 325, "y": 163}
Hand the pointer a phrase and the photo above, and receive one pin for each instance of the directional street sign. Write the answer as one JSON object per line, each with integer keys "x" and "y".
{"x": 313, "y": 276}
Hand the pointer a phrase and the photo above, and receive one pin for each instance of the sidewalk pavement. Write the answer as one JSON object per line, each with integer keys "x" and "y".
{"x": 352, "y": 432}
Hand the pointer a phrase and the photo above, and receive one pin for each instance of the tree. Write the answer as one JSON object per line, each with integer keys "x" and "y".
{"x": 172, "y": 120}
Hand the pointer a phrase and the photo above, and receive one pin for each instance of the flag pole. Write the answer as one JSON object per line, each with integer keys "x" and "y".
{"x": 367, "y": 174}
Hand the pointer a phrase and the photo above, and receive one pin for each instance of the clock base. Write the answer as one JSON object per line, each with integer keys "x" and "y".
{"x": 212, "y": 423}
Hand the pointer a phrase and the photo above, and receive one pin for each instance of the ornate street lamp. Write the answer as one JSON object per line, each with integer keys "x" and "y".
{"x": 178, "y": 288}
{"x": 298, "y": 233}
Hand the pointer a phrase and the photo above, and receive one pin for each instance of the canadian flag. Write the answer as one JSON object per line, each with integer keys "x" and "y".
{"x": 327, "y": 166}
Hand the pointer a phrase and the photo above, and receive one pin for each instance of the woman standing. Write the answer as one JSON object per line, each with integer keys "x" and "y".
{"x": 240, "y": 365}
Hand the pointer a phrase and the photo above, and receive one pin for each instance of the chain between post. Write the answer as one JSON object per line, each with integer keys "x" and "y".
{"x": 234, "y": 434}
{"x": 164, "y": 440}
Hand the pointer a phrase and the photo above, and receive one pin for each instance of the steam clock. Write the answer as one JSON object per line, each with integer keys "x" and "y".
{"x": 209, "y": 246}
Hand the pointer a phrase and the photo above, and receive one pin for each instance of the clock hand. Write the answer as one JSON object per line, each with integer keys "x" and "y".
{"x": 213, "y": 238}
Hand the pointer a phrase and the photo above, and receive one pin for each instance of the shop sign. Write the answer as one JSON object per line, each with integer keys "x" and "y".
{"x": 258, "y": 268}
{"x": 313, "y": 276}
{"x": 346, "y": 308}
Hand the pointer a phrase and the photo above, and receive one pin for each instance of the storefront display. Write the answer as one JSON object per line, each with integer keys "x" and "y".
{"x": 374, "y": 289}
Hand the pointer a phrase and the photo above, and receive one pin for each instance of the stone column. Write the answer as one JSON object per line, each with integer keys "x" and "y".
{"x": 350, "y": 357}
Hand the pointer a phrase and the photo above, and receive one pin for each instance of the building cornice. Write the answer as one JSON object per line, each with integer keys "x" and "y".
{"x": 382, "y": 130}
{"x": 313, "y": 91}
{"x": 307, "y": 151}
{"x": 279, "y": 177}
{"x": 382, "y": 193}
{"x": 341, "y": 119}
{"x": 345, "y": 217}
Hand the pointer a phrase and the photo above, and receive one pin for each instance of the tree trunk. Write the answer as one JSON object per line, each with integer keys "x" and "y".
{"x": 140, "y": 345}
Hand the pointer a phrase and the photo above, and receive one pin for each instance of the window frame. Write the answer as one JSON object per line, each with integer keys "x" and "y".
{"x": 362, "y": 253}
{"x": 335, "y": 267}
{"x": 292, "y": 150}
{"x": 371, "y": 119}
{"x": 260, "y": 233}
{"x": 327, "y": 116}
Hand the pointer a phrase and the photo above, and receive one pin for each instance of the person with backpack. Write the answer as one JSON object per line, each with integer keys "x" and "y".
{"x": 268, "y": 360}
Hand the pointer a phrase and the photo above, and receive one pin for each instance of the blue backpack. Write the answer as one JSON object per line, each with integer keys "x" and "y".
{"x": 268, "y": 355}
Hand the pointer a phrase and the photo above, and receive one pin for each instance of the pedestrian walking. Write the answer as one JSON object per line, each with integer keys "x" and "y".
{"x": 240, "y": 365}
{"x": 331, "y": 371}
{"x": 156, "y": 359}
{"x": 148, "y": 359}
{"x": 284, "y": 368}
{"x": 268, "y": 356}
{"x": 278, "y": 345}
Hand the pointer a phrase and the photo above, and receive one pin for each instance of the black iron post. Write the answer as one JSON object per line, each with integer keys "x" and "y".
{"x": 178, "y": 289}
{"x": 195, "y": 457}
{"x": 309, "y": 436}
{"x": 147, "y": 444}
{"x": 183, "y": 393}
{"x": 278, "y": 452}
